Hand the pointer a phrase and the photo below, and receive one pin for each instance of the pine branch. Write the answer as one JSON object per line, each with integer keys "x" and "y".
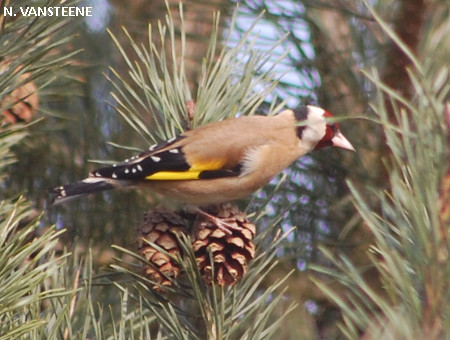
{"x": 411, "y": 244}
{"x": 154, "y": 98}
{"x": 26, "y": 261}
{"x": 191, "y": 309}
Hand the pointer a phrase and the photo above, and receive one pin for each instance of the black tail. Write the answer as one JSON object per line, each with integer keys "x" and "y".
{"x": 84, "y": 187}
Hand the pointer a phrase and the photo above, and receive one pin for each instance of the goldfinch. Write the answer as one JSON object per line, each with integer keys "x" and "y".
{"x": 218, "y": 162}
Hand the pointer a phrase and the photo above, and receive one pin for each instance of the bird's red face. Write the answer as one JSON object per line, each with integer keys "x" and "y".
{"x": 333, "y": 136}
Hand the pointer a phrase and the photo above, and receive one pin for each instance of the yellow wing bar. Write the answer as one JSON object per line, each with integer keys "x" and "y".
{"x": 211, "y": 164}
{"x": 192, "y": 173}
{"x": 173, "y": 175}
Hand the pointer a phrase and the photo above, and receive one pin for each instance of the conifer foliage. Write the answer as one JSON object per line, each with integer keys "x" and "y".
{"x": 186, "y": 279}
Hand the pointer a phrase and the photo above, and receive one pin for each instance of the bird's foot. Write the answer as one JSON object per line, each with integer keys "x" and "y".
{"x": 225, "y": 224}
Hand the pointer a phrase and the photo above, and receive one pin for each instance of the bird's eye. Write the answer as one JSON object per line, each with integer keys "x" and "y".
{"x": 334, "y": 127}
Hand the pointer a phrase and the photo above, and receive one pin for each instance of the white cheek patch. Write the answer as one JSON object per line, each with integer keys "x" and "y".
{"x": 315, "y": 130}
{"x": 315, "y": 111}
{"x": 314, "y": 134}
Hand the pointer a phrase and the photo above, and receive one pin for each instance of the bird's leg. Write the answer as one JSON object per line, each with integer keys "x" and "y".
{"x": 227, "y": 225}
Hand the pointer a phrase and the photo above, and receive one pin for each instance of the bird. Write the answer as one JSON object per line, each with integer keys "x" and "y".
{"x": 219, "y": 162}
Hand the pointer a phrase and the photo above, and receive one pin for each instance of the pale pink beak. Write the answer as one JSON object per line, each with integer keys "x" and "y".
{"x": 341, "y": 142}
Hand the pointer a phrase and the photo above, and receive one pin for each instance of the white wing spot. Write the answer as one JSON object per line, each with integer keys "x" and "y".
{"x": 97, "y": 174}
{"x": 127, "y": 171}
{"x": 63, "y": 192}
{"x": 173, "y": 151}
{"x": 155, "y": 158}
{"x": 92, "y": 180}
{"x": 114, "y": 175}
{"x": 114, "y": 165}
{"x": 139, "y": 167}
{"x": 153, "y": 147}
{"x": 171, "y": 140}
{"x": 133, "y": 170}
{"x": 127, "y": 160}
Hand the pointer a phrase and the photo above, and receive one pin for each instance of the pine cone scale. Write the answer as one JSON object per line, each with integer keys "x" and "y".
{"x": 231, "y": 253}
{"x": 221, "y": 255}
{"x": 160, "y": 227}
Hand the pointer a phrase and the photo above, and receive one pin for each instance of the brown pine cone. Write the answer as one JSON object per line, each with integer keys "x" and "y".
{"x": 22, "y": 102}
{"x": 231, "y": 251}
{"x": 160, "y": 226}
